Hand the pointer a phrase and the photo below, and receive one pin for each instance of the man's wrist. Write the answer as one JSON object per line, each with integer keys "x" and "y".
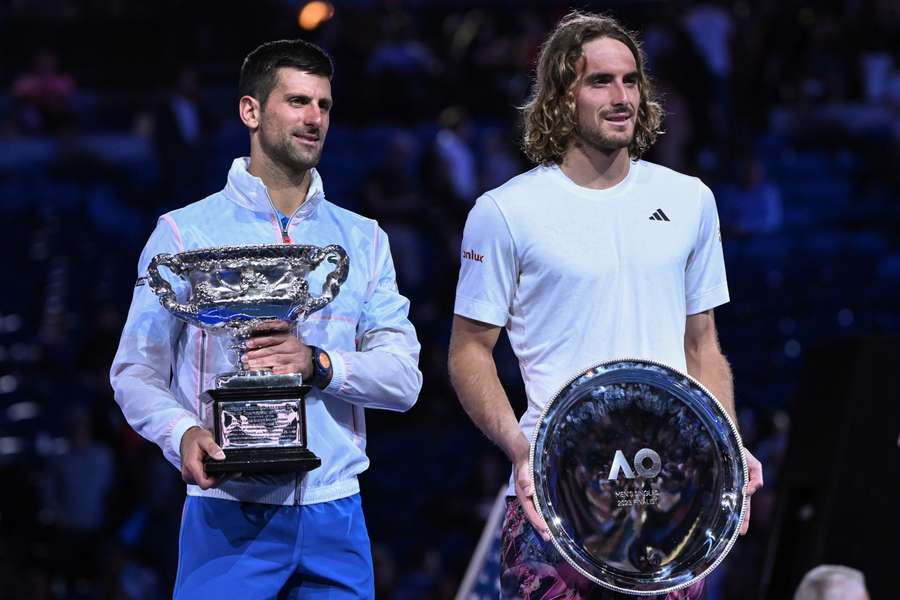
{"x": 184, "y": 437}
{"x": 519, "y": 449}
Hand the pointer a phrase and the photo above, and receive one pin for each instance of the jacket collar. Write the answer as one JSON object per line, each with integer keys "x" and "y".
{"x": 250, "y": 192}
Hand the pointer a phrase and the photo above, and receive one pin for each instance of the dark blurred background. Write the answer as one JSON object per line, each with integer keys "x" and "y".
{"x": 113, "y": 112}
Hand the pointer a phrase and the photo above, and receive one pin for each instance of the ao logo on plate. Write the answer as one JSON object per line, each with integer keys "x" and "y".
{"x": 620, "y": 463}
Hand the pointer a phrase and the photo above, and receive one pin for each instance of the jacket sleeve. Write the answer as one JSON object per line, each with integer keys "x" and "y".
{"x": 383, "y": 372}
{"x": 142, "y": 369}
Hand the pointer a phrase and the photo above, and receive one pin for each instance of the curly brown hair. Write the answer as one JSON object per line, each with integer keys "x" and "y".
{"x": 550, "y": 113}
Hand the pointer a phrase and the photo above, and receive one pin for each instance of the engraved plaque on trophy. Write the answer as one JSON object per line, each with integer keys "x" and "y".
{"x": 639, "y": 473}
{"x": 258, "y": 417}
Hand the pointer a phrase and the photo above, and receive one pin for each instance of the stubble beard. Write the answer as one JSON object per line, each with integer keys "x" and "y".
{"x": 592, "y": 136}
{"x": 284, "y": 153}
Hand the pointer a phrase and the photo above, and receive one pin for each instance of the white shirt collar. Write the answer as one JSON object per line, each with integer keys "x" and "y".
{"x": 250, "y": 192}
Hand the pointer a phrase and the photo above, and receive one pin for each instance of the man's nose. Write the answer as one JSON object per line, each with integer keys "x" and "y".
{"x": 618, "y": 93}
{"x": 312, "y": 115}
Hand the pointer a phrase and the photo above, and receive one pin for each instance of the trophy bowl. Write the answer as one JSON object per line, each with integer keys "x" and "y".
{"x": 258, "y": 418}
{"x": 233, "y": 289}
{"x": 639, "y": 474}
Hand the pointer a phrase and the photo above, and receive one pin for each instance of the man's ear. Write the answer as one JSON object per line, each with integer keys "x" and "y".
{"x": 249, "y": 111}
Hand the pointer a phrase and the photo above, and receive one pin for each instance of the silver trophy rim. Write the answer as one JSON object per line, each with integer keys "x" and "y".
{"x": 563, "y": 551}
{"x": 238, "y": 250}
{"x": 210, "y": 258}
{"x": 215, "y": 258}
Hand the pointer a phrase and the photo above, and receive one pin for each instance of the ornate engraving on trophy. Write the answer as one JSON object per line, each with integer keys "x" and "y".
{"x": 260, "y": 424}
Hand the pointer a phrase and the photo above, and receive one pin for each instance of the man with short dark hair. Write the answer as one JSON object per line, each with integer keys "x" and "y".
{"x": 297, "y": 535}
{"x": 593, "y": 255}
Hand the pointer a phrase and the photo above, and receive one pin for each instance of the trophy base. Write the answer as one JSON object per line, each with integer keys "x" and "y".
{"x": 263, "y": 460}
{"x": 260, "y": 424}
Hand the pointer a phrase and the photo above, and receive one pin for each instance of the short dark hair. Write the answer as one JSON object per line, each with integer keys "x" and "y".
{"x": 259, "y": 73}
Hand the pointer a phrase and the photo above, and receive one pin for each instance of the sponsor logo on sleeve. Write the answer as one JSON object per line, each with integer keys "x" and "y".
{"x": 472, "y": 255}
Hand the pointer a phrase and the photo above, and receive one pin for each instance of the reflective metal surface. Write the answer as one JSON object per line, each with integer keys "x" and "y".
{"x": 258, "y": 417}
{"x": 235, "y": 290}
{"x": 639, "y": 474}
{"x": 233, "y": 287}
{"x": 260, "y": 379}
{"x": 260, "y": 424}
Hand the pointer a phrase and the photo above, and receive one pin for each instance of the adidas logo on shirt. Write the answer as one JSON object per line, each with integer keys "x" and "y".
{"x": 659, "y": 215}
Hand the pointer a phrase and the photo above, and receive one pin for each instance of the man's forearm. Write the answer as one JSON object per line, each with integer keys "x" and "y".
{"x": 474, "y": 377}
{"x": 711, "y": 368}
{"x": 377, "y": 378}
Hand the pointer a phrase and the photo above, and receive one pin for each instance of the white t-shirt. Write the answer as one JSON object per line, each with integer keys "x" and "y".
{"x": 580, "y": 276}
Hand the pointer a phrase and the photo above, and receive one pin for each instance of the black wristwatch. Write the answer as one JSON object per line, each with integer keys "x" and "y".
{"x": 321, "y": 368}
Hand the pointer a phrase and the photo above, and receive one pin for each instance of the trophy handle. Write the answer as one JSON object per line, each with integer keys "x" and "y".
{"x": 337, "y": 256}
{"x": 163, "y": 288}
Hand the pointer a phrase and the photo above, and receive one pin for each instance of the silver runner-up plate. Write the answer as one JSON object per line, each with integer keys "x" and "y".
{"x": 639, "y": 473}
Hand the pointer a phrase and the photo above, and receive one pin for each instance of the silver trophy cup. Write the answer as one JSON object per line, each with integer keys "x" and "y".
{"x": 258, "y": 417}
{"x": 639, "y": 474}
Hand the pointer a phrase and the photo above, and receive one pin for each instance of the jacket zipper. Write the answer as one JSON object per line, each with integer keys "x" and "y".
{"x": 286, "y": 239}
{"x": 283, "y": 227}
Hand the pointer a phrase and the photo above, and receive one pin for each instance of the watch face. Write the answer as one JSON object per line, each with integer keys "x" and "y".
{"x": 324, "y": 360}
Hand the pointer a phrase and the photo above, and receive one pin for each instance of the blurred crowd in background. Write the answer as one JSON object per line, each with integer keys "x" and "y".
{"x": 112, "y": 113}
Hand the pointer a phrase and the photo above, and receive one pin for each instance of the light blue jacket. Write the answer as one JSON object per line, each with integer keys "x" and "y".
{"x": 163, "y": 364}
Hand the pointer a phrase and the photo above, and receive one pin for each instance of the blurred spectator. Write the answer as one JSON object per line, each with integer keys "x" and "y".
{"x": 392, "y": 196}
{"x": 832, "y": 582}
{"x": 499, "y": 164}
{"x": 44, "y": 95}
{"x": 125, "y": 578}
{"x": 684, "y": 82}
{"x": 385, "y": 571}
{"x": 152, "y": 497}
{"x": 455, "y": 157}
{"x": 79, "y": 480}
{"x": 673, "y": 149}
{"x": 180, "y": 128}
{"x": 877, "y": 68}
{"x": 403, "y": 69}
{"x": 76, "y": 488}
{"x": 829, "y": 70}
{"x": 711, "y": 27}
{"x": 752, "y": 205}
{"x": 504, "y": 48}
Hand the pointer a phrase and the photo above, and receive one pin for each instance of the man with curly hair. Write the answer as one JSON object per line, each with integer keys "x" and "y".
{"x": 591, "y": 256}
